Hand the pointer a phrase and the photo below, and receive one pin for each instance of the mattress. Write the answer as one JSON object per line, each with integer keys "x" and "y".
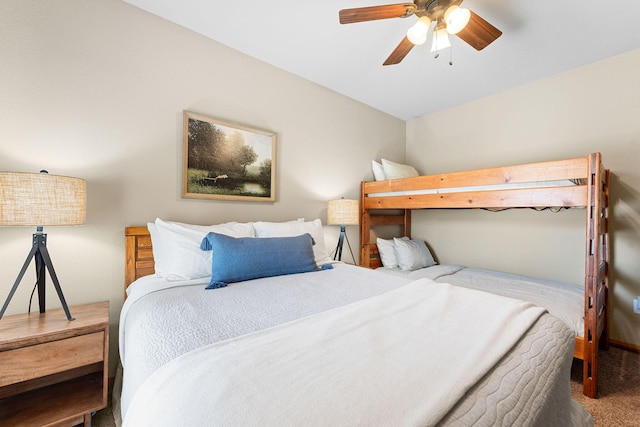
{"x": 162, "y": 321}
{"x": 563, "y": 300}
{"x": 508, "y": 186}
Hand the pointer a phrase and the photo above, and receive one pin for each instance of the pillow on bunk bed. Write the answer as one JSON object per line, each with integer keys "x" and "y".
{"x": 176, "y": 247}
{"x": 387, "y": 251}
{"x": 246, "y": 258}
{"x": 412, "y": 254}
{"x": 378, "y": 171}
{"x": 394, "y": 170}
{"x": 296, "y": 228}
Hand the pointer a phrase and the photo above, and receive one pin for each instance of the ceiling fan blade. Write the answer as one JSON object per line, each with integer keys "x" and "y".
{"x": 479, "y": 33}
{"x": 372, "y": 13}
{"x": 399, "y": 52}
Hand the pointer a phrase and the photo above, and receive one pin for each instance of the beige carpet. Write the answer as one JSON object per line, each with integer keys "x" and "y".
{"x": 103, "y": 418}
{"x": 618, "y": 402}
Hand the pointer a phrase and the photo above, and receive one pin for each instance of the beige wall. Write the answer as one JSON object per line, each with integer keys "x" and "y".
{"x": 593, "y": 108}
{"x": 96, "y": 89}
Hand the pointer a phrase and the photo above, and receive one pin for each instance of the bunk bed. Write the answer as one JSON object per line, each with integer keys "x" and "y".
{"x": 573, "y": 183}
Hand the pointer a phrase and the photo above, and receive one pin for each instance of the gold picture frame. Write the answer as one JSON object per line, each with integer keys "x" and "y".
{"x": 227, "y": 161}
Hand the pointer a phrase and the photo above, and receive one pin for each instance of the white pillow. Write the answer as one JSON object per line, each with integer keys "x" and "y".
{"x": 159, "y": 253}
{"x": 179, "y": 253}
{"x": 394, "y": 170}
{"x": 387, "y": 251}
{"x": 412, "y": 254}
{"x": 378, "y": 171}
{"x": 296, "y": 228}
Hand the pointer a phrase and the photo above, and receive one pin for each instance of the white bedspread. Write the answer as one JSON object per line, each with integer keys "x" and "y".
{"x": 563, "y": 300}
{"x": 421, "y": 347}
{"x": 162, "y": 320}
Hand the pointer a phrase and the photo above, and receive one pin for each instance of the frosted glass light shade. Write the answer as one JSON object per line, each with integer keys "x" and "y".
{"x": 34, "y": 199}
{"x": 417, "y": 34}
{"x": 456, "y": 19}
{"x": 342, "y": 212}
{"x": 440, "y": 40}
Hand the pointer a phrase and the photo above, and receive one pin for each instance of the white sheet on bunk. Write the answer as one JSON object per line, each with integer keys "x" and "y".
{"x": 296, "y": 373}
{"x": 434, "y": 272}
{"x": 563, "y": 300}
{"x": 509, "y": 186}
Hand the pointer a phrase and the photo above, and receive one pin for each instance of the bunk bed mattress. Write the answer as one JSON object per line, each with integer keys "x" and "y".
{"x": 162, "y": 321}
{"x": 474, "y": 188}
{"x": 563, "y": 300}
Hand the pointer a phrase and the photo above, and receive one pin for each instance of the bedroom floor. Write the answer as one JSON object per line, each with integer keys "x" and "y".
{"x": 618, "y": 402}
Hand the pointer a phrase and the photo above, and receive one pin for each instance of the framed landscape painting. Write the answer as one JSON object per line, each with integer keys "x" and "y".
{"x": 227, "y": 161}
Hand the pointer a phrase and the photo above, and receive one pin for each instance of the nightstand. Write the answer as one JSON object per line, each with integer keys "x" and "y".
{"x": 54, "y": 371}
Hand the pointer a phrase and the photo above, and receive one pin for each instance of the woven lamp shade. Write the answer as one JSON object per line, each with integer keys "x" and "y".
{"x": 342, "y": 212}
{"x": 34, "y": 199}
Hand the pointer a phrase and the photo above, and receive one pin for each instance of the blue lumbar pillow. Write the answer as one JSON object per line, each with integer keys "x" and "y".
{"x": 236, "y": 259}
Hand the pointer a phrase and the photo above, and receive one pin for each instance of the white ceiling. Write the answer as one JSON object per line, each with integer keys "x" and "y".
{"x": 540, "y": 38}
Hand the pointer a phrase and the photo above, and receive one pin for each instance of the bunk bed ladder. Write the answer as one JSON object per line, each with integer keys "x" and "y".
{"x": 596, "y": 272}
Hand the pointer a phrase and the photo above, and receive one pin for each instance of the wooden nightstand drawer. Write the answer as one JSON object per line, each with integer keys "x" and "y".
{"x": 26, "y": 363}
{"x": 53, "y": 371}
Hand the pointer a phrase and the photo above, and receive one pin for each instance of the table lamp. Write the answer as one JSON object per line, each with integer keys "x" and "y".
{"x": 39, "y": 199}
{"x": 342, "y": 212}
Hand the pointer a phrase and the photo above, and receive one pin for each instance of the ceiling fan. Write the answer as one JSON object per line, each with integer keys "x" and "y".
{"x": 448, "y": 16}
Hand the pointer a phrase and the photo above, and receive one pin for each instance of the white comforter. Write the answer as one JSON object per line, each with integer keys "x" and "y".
{"x": 162, "y": 320}
{"x": 563, "y": 300}
{"x": 403, "y": 357}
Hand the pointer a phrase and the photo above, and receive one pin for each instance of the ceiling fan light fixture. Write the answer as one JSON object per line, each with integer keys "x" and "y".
{"x": 449, "y": 19}
{"x": 456, "y": 18}
{"x": 440, "y": 40}
{"x": 417, "y": 34}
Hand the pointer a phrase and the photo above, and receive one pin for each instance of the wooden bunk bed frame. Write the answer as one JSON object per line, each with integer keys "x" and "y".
{"x": 591, "y": 192}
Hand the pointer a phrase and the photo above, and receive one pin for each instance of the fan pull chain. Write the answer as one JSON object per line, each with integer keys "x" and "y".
{"x": 436, "y": 54}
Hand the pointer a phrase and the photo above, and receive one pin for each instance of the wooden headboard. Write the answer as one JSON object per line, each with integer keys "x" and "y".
{"x": 137, "y": 254}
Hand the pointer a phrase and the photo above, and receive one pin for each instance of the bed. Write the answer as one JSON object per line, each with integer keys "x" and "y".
{"x": 336, "y": 345}
{"x": 573, "y": 183}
